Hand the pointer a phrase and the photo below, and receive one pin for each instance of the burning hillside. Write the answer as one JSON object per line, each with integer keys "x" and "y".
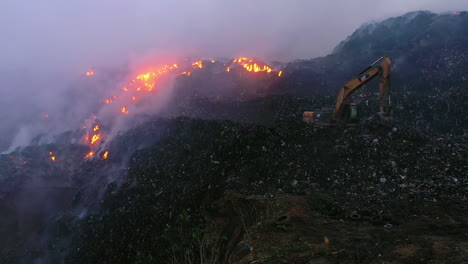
{"x": 147, "y": 83}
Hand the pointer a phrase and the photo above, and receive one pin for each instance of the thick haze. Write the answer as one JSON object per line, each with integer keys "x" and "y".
{"x": 45, "y": 44}
{"x": 89, "y": 32}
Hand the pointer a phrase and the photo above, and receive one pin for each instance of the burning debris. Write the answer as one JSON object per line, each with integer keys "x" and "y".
{"x": 105, "y": 155}
{"x": 146, "y": 84}
{"x": 90, "y": 73}
{"x": 89, "y": 155}
{"x": 52, "y": 156}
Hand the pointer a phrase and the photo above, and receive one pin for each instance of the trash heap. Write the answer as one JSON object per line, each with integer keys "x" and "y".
{"x": 172, "y": 185}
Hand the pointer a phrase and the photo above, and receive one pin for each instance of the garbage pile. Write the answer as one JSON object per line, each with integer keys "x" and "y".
{"x": 172, "y": 185}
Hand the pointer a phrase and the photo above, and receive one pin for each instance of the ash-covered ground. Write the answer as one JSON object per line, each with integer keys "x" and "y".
{"x": 237, "y": 177}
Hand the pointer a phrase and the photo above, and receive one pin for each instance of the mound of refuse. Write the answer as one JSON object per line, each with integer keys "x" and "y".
{"x": 375, "y": 165}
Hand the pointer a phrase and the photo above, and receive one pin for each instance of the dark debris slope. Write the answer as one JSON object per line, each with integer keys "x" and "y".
{"x": 376, "y": 165}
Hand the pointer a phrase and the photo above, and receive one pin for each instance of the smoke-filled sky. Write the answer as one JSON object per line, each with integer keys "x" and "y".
{"x": 47, "y": 43}
{"x": 88, "y": 32}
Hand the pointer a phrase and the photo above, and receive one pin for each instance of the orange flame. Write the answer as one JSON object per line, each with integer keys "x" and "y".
{"x": 148, "y": 81}
{"x": 252, "y": 66}
{"x": 95, "y": 139}
{"x": 197, "y": 65}
{"x": 52, "y": 158}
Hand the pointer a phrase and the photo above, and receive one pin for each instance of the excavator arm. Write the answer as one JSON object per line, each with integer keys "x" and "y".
{"x": 361, "y": 79}
{"x": 346, "y": 112}
{"x": 384, "y": 86}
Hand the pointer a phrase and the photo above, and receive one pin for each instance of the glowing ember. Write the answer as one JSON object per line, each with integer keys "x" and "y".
{"x": 105, "y": 155}
{"x": 89, "y": 155}
{"x": 228, "y": 69}
{"x": 197, "y": 65}
{"x": 90, "y": 73}
{"x": 145, "y": 78}
{"x": 52, "y": 157}
{"x": 124, "y": 110}
{"x": 95, "y": 139}
{"x": 280, "y": 73}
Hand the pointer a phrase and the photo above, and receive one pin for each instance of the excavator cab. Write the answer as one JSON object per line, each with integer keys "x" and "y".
{"x": 345, "y": 112}
{"x": 351, "y": 114}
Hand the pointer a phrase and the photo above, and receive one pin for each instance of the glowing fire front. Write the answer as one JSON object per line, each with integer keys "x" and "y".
{"x": 148, "y": 82}
{"x": 89, "y": 154}
{"x": 253, "y": 66}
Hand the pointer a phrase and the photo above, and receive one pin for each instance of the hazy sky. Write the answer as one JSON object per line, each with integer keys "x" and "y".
{"x": 73, "y": 33}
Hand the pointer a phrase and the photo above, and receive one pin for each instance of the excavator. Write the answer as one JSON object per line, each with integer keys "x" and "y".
{"x": 345, "y": 112}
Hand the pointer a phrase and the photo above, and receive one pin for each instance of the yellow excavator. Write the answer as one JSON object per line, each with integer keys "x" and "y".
{"x": 345, "y": 112}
